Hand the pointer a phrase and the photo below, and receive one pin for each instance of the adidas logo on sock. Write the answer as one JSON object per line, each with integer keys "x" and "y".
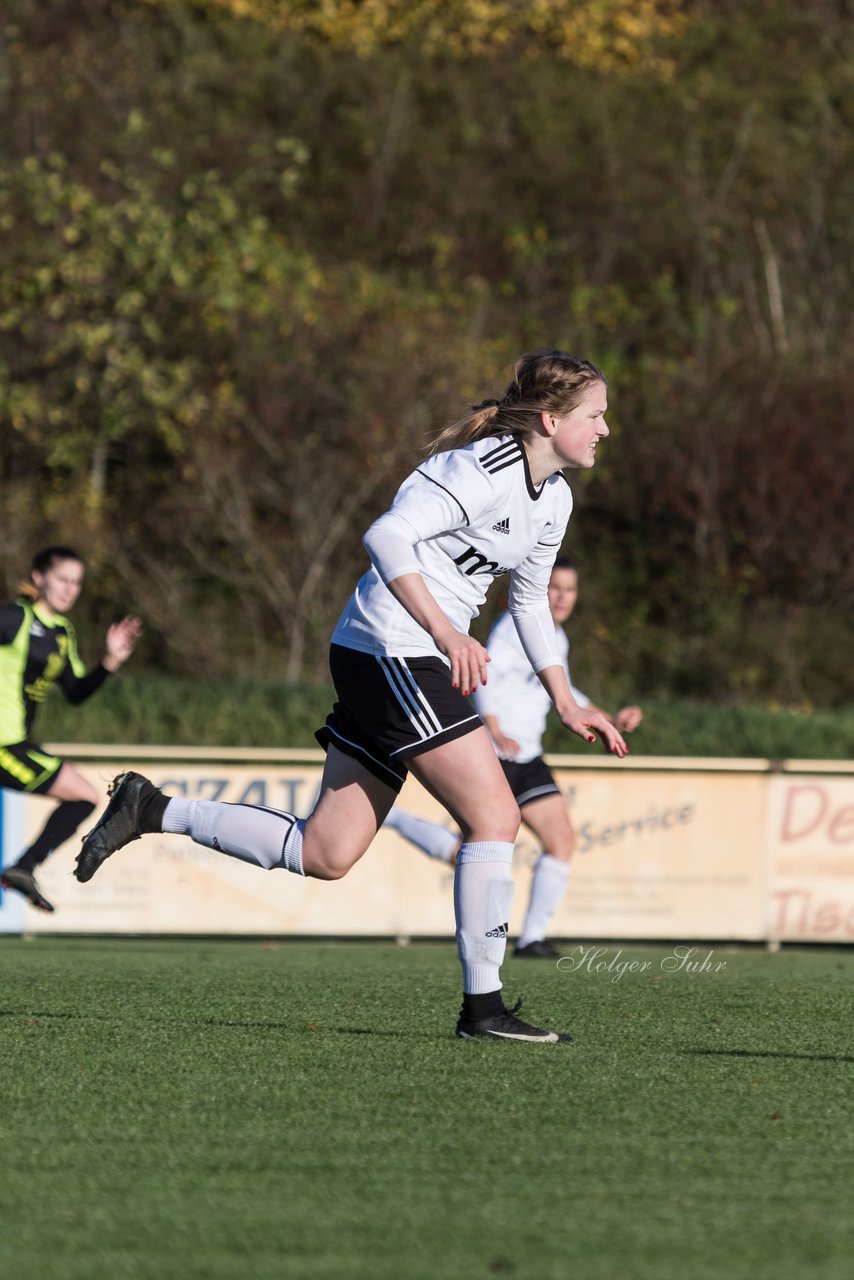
{"x": 502, "y": 526}
{"x": 501, "y": 932}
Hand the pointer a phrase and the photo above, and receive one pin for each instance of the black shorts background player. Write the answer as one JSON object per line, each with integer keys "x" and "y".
{"x": 492, "y": 499}
{"x": 514, "y": 708}
{"x": 38, "y": 651}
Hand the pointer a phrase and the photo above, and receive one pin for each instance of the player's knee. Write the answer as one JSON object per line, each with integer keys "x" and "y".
{"x": 500, "y": 823}
{"x": 328, "y": 864}
{"x": 561, "y": 846}
{"x": 327, "y": 871}
{"x": 564, "y": 844}
{"x": 510, "y": 820}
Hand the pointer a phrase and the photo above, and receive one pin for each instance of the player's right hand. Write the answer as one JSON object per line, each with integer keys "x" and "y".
{"x": 468, "y": 659}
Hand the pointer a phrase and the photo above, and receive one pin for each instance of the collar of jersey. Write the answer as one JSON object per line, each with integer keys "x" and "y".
{"x": 532, "y": 490}
{"x": 51, "y": 620}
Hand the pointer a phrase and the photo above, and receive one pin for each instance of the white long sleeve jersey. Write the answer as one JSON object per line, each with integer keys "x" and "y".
{"x": 465, "y": 517}
{"x": 513, "y": 692}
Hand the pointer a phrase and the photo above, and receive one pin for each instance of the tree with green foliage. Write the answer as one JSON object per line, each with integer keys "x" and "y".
{"x": 252, "y": 253}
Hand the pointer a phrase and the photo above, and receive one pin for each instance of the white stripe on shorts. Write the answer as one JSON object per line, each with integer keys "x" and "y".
{"x": 404, "y": 687}
{"x": 549, "y": 789}
{"x": 357, "y": 746}
{"x": 437, "y": 734}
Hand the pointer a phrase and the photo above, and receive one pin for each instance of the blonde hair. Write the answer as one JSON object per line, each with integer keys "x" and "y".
{"x": 543, "y": 381}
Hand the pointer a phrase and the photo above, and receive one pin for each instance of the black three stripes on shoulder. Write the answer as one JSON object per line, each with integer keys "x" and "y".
{"x": 506, "y": 455}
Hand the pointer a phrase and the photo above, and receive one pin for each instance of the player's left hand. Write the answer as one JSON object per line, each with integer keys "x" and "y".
{"x": 588, "y": 724}
{"x": 627, "y": 719}
{"x": 121, "y": 638}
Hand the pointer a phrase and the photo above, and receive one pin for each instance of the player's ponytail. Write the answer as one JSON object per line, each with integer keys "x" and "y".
{"x": 543, "y": 381}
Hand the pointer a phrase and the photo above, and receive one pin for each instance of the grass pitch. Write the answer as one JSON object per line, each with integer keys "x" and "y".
{"x": 196, "y": 1109}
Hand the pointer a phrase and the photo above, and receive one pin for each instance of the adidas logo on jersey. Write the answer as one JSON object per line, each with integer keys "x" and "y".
{"x": 501, "y": 932}
{"x": 503, "y": 526}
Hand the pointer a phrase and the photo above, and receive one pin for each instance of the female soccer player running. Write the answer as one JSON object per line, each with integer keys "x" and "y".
{"x": 37, "y": 651}
{"x": 491, "y": 499}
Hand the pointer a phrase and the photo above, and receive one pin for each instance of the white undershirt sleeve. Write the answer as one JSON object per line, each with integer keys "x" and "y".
{"x": 528, "y": 603}
{"x": 537, "y": 634}
{"x": 390, "y": 542}
{"x": 422, "y": 509}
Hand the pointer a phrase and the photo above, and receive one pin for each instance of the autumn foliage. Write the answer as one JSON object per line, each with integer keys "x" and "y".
{"x": 253, "y": 252}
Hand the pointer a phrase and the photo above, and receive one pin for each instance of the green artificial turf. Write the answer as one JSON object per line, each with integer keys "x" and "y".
{"x": 188, "y": 1109}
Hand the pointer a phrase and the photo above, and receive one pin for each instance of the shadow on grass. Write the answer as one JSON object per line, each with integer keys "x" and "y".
{"x": 254, "y": 1024}
{"x": 306, "y": 1026}
{"x": 769, "y": 1053}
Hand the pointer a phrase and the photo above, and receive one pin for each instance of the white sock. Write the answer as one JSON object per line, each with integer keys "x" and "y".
{"x": 483, "y": 894}
{"x": 265, "y": 837}
{"x": 431, "y": 838}
{"x": 547, "y": 888}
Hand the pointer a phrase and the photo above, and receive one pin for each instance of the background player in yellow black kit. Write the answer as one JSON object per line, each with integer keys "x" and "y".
{"x": 37, "y": 651}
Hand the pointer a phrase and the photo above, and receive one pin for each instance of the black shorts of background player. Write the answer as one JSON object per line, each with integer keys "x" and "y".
{"x": 38, "y": 651}
{"x": 492, "y": 498}
{"x": 514, "y": 708}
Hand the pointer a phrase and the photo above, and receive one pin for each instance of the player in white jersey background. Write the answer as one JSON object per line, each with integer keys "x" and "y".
{"x": 514, "y": 707}
{"x": 491, "y": 499}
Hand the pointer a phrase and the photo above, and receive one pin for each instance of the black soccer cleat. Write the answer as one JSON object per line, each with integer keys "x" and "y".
{"x": 118, "y": 825}
{"x": 506, "y": 1026}
{"x": 539, "y": 950}
{"x": 25, "y": 882}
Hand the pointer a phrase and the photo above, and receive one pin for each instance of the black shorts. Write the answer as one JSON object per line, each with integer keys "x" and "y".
{"x": 389, "y": 709}
{"x": 25, "y": 766}
{"x": 531, "y": 780}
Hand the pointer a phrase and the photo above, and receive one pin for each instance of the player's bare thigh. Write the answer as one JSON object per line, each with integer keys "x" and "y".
{"x": 464, "y": 775}
{"x": 71, "y": 785}
{"x": 467, "y": 779}
{"x": 549, "y": 820}
{"x": 352, "y": 806}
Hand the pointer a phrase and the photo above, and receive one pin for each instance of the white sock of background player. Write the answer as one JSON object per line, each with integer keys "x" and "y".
{"x": 430, "y": 837}
{"x": 547, "y": 888}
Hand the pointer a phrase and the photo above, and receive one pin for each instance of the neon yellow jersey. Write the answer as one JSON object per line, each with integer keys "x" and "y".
{"x": 37, "y": 651}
